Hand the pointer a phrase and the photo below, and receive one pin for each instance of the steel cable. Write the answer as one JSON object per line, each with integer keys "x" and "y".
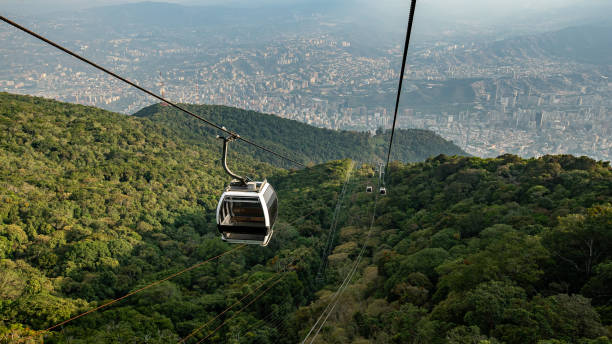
{"x": 143, "y": 288}
{"x": 334, "y": 224}
{"x": 239, "y": 311}
{"x": 226, "y": 310}
{"x": 401, "y": 79}
{"x": 236, "y": 303}
{"x": 116, "y": 76}
{"x": 336, "y": 297}
{"x": 351, "y": 273}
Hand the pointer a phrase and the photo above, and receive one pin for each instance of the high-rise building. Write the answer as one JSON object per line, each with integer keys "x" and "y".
{"x": 539, "y": 119}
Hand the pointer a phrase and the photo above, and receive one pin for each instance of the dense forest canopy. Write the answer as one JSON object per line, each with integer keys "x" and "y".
{"x": 471, "y": 250}
{"x": 94, "y": 205}
{"x": 303, "y": 142}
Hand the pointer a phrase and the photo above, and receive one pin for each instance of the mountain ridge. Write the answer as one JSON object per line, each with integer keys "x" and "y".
{"x": 302, "y": 141}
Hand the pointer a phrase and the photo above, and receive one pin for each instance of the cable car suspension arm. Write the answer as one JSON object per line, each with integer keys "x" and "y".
{"x": 226, "y": 141}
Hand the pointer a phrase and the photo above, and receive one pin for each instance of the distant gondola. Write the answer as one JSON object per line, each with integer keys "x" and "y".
{"x": 381, "y": 180}
{"x": 368, "y": 188}
{"x": 247, "y": 210}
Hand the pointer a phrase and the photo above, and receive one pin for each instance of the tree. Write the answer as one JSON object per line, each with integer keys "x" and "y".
{"x": 468, "y": 335}
{"x": 580, "y": 242}
{"x": 512, "y": 256}
{"x": 488, "y": 304}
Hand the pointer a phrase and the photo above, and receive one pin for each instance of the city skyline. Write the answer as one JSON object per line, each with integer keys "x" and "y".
{"x": 482, "y": 94}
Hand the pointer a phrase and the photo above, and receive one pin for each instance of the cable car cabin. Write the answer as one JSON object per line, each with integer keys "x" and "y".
{"x": 383, "y": 191}
{"x": 368, "y": 188}
{"x": 246, "y": 213}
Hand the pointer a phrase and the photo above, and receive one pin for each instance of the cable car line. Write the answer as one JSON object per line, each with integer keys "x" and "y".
{"x": 334, "y": 224}
{"x": 237, "y": 302}
{"x": 234, "y": 136}
{"x": 281, "y": 328}
{"x": 382, "y": 188}
{"x": 351, "y": 274}
{"x": 291, "y": 223}
{"x": 244, "y": 297}
{"x": 247, "y": 305}
{"x": 347, "y": 280}
{"x": 327, "y": 307}
{"x": 335, "y": 302}
{"x": 401, "y": 79}
{"x": 274, "y": 316}
{"x": 158, "y": 97}
{"x": 226, "y": 310}
{"x": 274, "y": 322}
{"x": 243, "y": 308}
{"x": 342, "y": 285}
{"x": 142, "y": 289}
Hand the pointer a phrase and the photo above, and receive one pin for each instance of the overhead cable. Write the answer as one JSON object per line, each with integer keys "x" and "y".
{"x": 334, "y": 225}
{"x": 143, "y": 288}
{"x": 240, "y": 310}
{"x": 401, "y": 79}
{"x": 226, "y": 310}
{"x": 347, "y": 280}
{"x": 164, "y": 100}
{"x": 350, "y": 275}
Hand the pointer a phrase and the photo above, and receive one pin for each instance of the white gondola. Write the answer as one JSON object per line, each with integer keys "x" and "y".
{"x": 247, "y": 210}
{"x": 383, "y": 190}
{"x": 246, "y": 213}
{"x": 368, "y": 188}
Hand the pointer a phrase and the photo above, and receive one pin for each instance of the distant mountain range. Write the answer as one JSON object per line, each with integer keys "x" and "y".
{"x": 591, "y": 44}
{"x": 350, "y": 15}
{"x": 585, "y": 44}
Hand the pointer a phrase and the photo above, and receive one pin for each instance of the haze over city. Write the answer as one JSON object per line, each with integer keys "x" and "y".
{"x": 250, "y": 171}
{"x": 522, "y": 77}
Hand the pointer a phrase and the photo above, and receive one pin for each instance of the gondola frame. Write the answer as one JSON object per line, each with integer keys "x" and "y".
{"x": 258, "y": 193}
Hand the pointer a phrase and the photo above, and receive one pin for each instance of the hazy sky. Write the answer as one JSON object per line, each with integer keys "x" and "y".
{"x": 495, "y": 6}
{"x": 383, "y": 13}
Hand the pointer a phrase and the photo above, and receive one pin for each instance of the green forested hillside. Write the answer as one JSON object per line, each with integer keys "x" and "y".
{"x": 94, "y": 205}
{"x": 303, "y": 142}
{"x": 469, "y": 250}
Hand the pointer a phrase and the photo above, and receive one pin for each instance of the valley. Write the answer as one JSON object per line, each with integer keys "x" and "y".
{"x": 94, "y": 205}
